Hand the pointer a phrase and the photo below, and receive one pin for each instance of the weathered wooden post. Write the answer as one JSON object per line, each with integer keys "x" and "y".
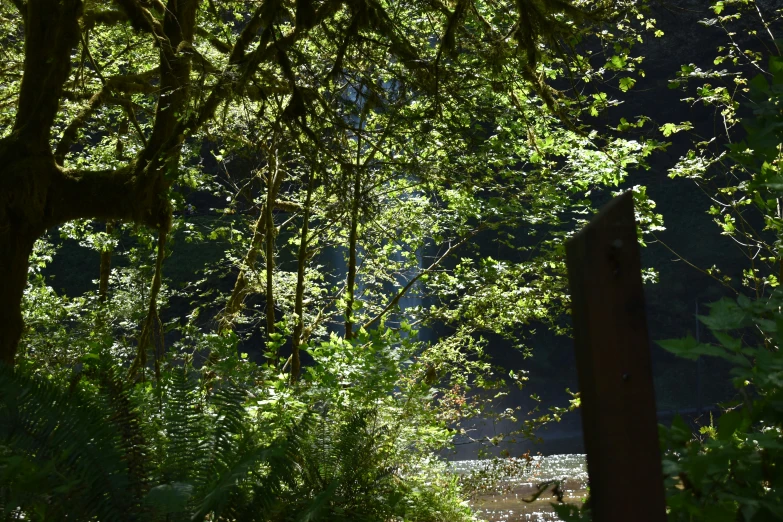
{"x": 613, "y": 362}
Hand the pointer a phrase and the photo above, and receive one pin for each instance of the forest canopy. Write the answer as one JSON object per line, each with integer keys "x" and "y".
{"x": 392, "y": 134}
{"x": 304, "y": 220}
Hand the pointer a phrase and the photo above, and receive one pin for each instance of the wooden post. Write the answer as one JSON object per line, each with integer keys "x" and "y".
{"x": 613, "y": 363}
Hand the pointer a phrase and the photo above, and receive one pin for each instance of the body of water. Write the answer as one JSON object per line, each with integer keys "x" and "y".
{"x": 498, "y": 486}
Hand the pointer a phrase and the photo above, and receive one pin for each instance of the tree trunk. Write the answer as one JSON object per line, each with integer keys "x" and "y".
{"x": 270, "y": 252}
{"x": 36, "y": 193}
{"x": 105, "y": 273}
{"x": 352, "y": 245}
{"x": 236, "y": 300}
{"x": 23, "y": 208}
{"x": 15, "y": 248}
{"x": 239, "y": 292}
{"x": 296, "y": 340}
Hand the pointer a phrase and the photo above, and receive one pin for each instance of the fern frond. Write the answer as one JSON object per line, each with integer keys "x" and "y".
{"x": 241, "y": 479}
{"x": 183, "y": 430}
{"x": 117, "y": 394}
{"x": 79, "y": 457}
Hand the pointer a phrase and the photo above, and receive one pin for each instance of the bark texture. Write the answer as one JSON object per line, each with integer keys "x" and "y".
{"x": 37, "y": 193}
{"x": 14, "y": 253}
{"x": 296, "y": 340}
{"x": 26, "y": 163}
{"x": 270, "y": 250}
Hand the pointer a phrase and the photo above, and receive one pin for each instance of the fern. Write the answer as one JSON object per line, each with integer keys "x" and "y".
{"x": 82, "y": 455}
{"x": 182, "y": 432}
{"x": 116, "y": 393}
{"x": 62, "y": 442}
{"x": 232, "y": 475}
{"x": 344, "y": 470}
{"x": 212, "y": 463}
{"x": 110, "y": 450}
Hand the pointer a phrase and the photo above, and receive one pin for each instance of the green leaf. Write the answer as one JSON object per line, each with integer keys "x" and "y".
{"x": 169, "y": 498}
{"x": 776, "y": 68}
{"x": 618, "y": 61}
{"x": 672, "y": 128}
{"x": 728, "y": 341}
{"x": 668, "y": 129}
{"x": 725, "y": 315}
{"x": 690, "y": 348}
{"x": 626, "y": 84}
{"x": 723, "y": 512}
{"x": 679, "y": 432}
{"x": 758, "y": 85}
{"x": 728, "y": 423}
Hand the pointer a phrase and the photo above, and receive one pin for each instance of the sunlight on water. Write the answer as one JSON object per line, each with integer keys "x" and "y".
{"x": 501, "y": 500}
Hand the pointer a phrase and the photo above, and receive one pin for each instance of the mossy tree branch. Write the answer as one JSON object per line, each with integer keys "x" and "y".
{"x": 302, "y": 258}
{"x": 51, "y": 31}
{"x": 271, "y": 180}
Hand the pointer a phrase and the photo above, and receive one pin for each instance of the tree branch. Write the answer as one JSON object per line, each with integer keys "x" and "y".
{"x": 129, "y": 83}
{"x": 104, "y": 17}
{"x": 119, "y": 194}
{"x": 234, "y": 304}
{"x": 21, "y": 6}
{"x": 105, "y": 270}
{"x": 352, "y": 246}
{"x": 72, "y": 130}
{"x": 216, "y": 42}
{"x": 134, "y": 83}
{"x": 175, "y": 67}
{"x": 271, "y": 194}
{"x": 413, "y": 280}
{"x": 51, "y": 32}
{"x": 248, "y": 63}
{"x": 141, "y": 19}
{"x": 296, "y": 338}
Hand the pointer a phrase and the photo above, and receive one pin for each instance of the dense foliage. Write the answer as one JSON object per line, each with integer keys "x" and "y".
{"x": 729, "y": 468}
{"x": 304, "y": 218}
{"x": 279, "y": 196}
{"x": 732, "y": 471}
{"x": 185, "y": 450}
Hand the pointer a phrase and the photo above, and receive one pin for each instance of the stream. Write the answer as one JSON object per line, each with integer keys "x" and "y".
{"x": 499, "y": 486}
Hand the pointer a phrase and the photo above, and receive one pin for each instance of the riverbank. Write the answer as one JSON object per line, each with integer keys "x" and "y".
{"x": 500, "y": 487}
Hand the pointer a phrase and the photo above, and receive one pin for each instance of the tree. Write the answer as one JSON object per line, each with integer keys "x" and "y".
{"x": 349, "y": 79}
{"x": 396, "y": 135}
